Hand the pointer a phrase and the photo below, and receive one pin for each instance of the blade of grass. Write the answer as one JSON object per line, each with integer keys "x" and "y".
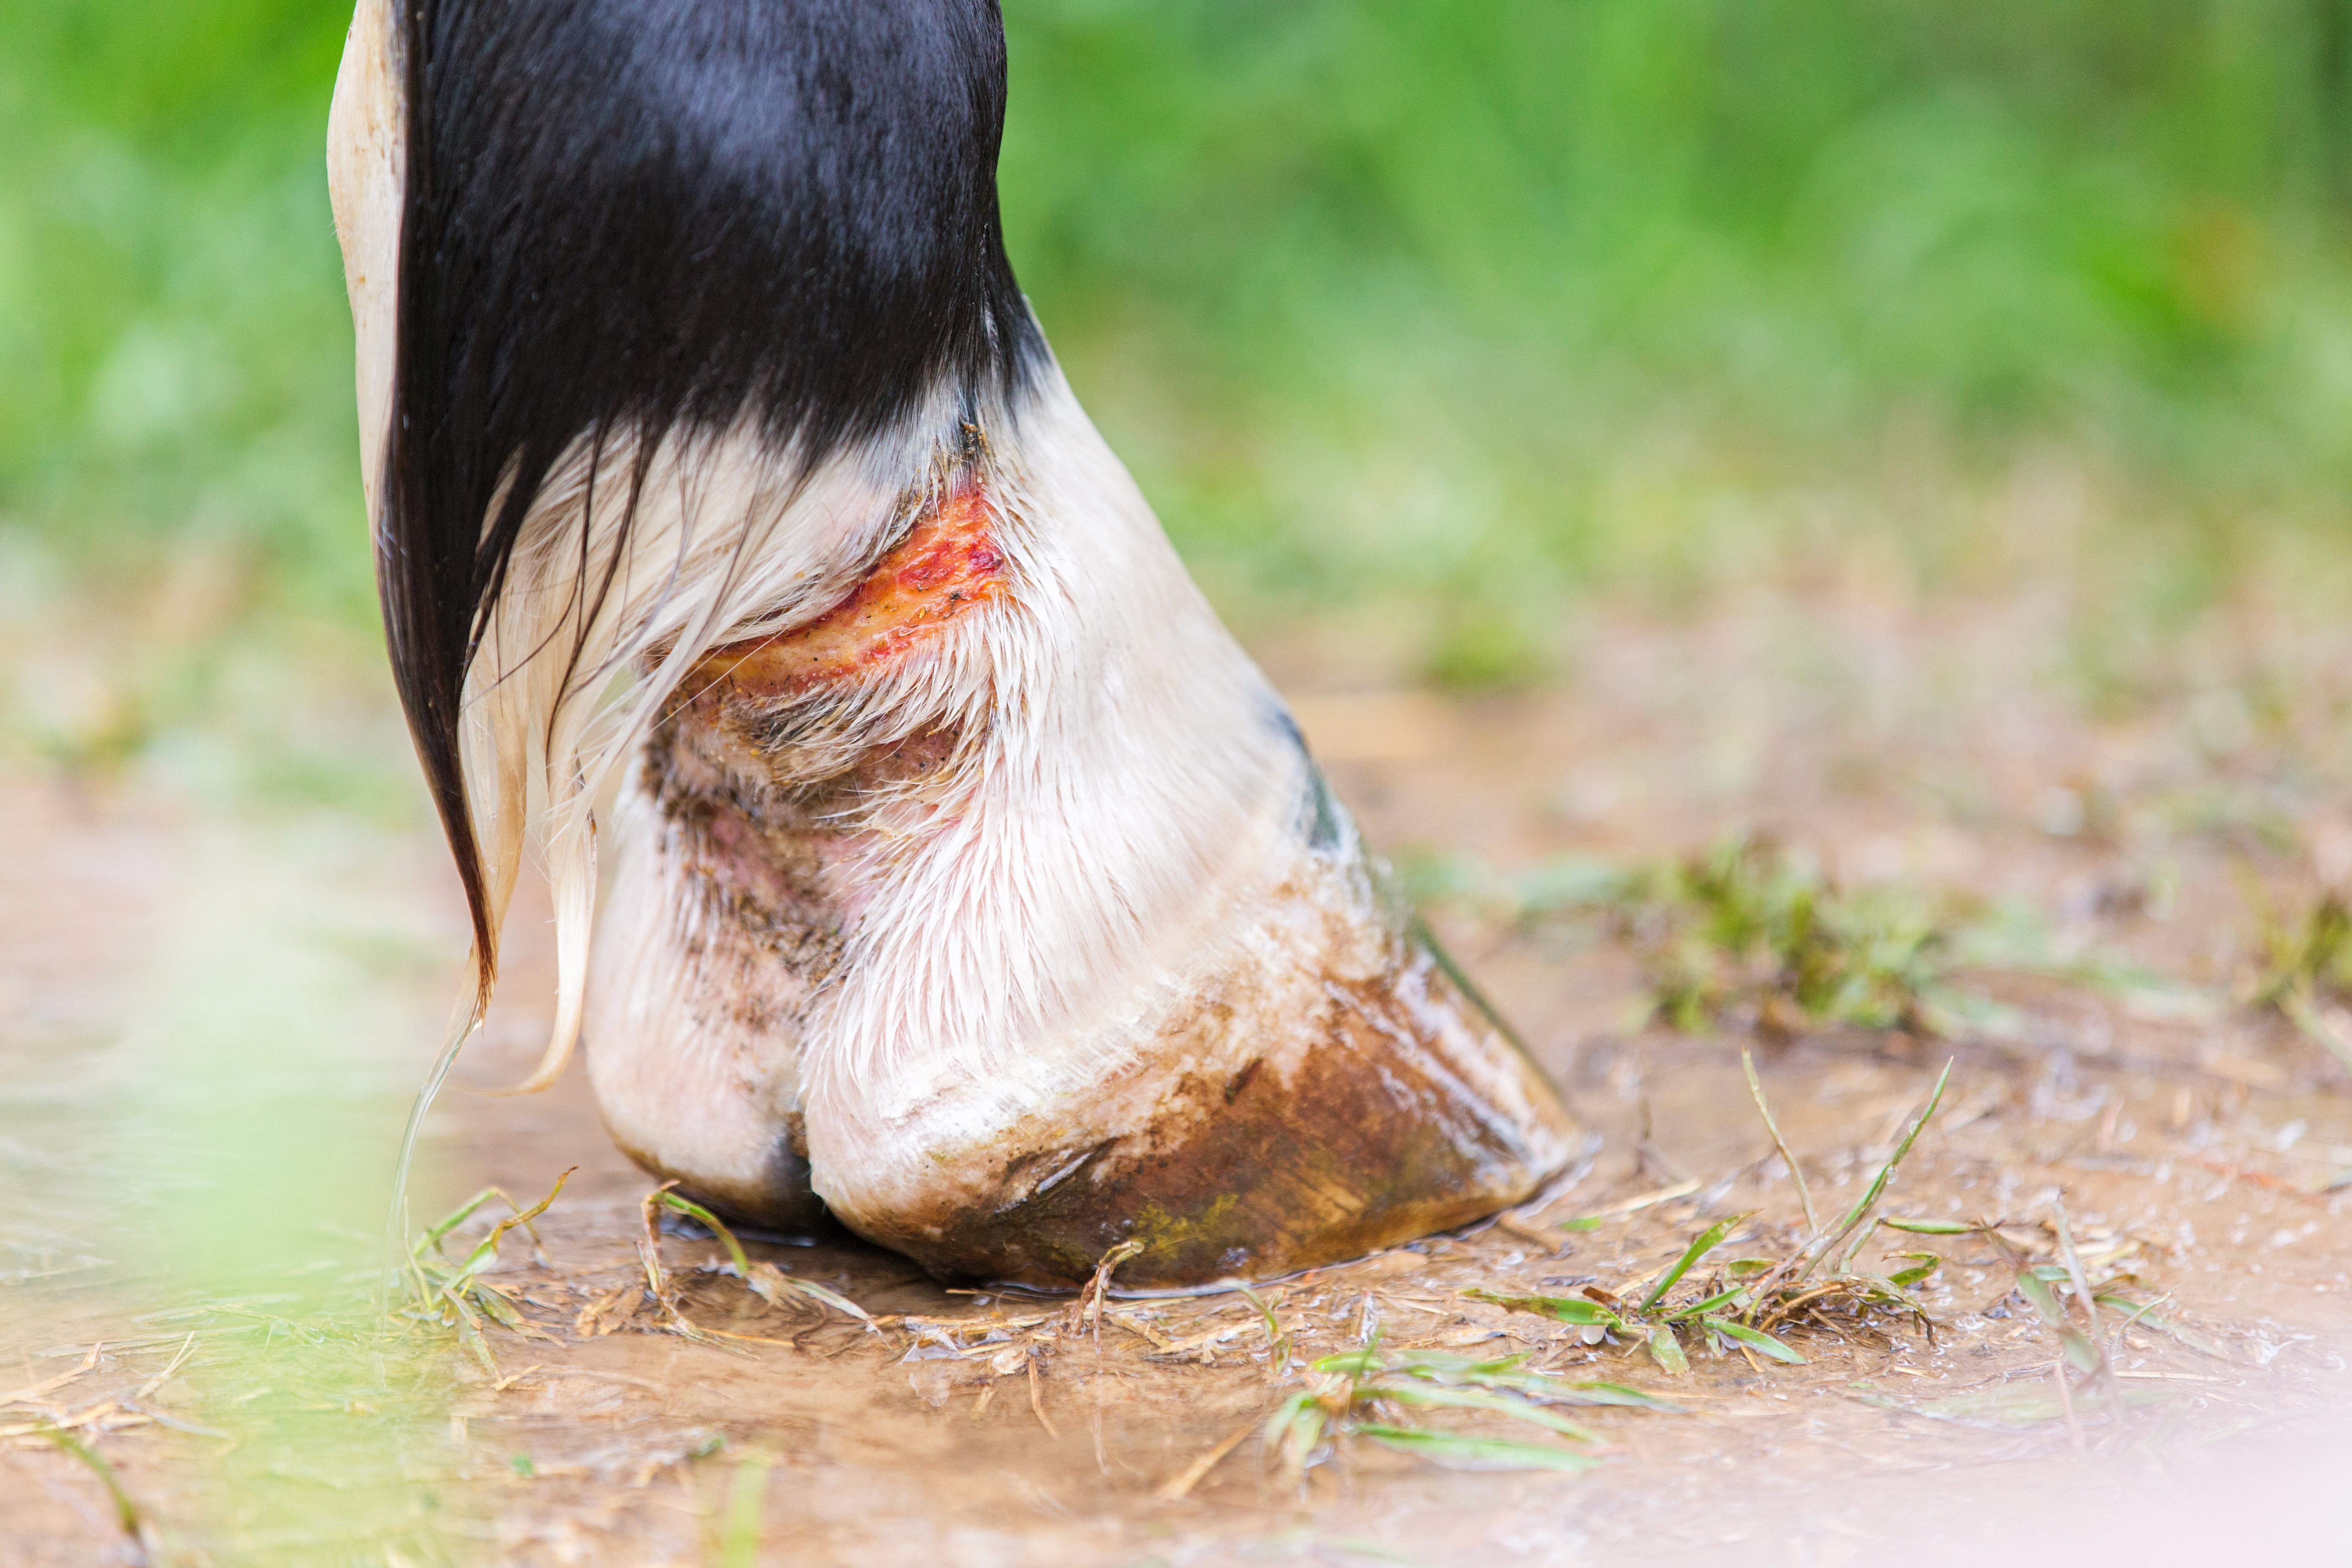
{"x": 1552, "y": 1389}
{"x": 1754, "y": 1339}
{"x": 712, "y": 1223}
{"x": 1501, "y": 1372}
{"x": 2144, "y": 1317}
{"x": 1457, "y": 1453}
{"x": 1576, "y": 1310}
{"x": 1037, "y": 1401}
{"x": 1925, "y": 1264}
{"x": 1795, "y": 1172}
{"x": 1667, "y": 1351}
{"x": 1085, "y": 1312}
{"x": 2014, "y": 1405}
{"x": 2066, "y": 1403}
{"x": 1708, "y": 1241}
{"x": 765, "y": 1280}
{"x": 1296, "y": 1431}
{"x": 1373, "y": 1550}
{"x": 1716, "y": 1302}
{"x": 433, "y": 1234}
{"x": 826, "y": 1296}
{"x": 2074, "y": 1274}
{"x": 1437, "y": 1396}
{"x": 1277, "y": 1340}
{"x": 1441, "y": 1364}
{"x": 1823, "y": 1245}
{"x": 746, "y": 1496}
{"x": 1182, "y": 1483}
{"x": 1880, "y": 1289}
{"x": 2079, "y": 1349}
{"x": 1630, "y": 1205}
{"x": 1354, "y": 1363}
{"x": 488, "y": 1249}
{"x": 2105, "y": 1372}
{"x": 1617, "y": 1394}
{"x": 126, "y": 1512}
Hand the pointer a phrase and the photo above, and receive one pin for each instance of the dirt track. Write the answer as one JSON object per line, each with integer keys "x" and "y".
{"x": 212, "y": 1025}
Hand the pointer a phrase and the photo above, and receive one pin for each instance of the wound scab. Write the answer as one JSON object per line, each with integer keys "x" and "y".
{"x": 947, "y": 565}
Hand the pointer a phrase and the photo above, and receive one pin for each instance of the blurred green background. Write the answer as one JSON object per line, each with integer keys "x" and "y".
{"x": 1469, "y": 309}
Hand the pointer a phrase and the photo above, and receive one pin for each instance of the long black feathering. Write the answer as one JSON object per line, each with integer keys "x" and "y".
{"x": 635, "y": 216}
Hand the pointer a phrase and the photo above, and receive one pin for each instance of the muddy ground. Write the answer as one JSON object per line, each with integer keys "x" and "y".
{"x": 210, "y": 1019}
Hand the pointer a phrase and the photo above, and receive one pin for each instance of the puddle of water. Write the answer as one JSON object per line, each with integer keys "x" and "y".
{"x": 198, "y": 1142}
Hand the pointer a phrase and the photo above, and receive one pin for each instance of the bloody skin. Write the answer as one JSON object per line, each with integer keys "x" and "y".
{"x": 1345, "y": 1094}
{"x": 948, "y": 567}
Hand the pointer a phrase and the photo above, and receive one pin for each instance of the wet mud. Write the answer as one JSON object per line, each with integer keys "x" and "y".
{"x": 202, "y": 1342}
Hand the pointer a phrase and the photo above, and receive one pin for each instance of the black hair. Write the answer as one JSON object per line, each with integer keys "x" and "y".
{"x": 635, "y": 217}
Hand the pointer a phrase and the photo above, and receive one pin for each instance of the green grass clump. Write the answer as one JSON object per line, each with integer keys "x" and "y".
{"x": 1384, "y": 1397}
{"x": 1750, "y": 934}
{"x": 455, "y": 1294}
{"x": 1739, "y": 1308}
{"x": 1751, "y": 927}
{"x": 2303, "y": 958}
{"x": 2303, "y": 966}
{"x": 1478, "y": 651}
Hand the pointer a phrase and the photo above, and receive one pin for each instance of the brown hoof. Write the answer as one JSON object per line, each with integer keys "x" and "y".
{"x": 1382, "y": 1111}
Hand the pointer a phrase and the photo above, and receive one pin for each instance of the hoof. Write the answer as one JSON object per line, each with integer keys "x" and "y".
{"x": 1367, "y": 1112}
{"x": 1007, "y": 966}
